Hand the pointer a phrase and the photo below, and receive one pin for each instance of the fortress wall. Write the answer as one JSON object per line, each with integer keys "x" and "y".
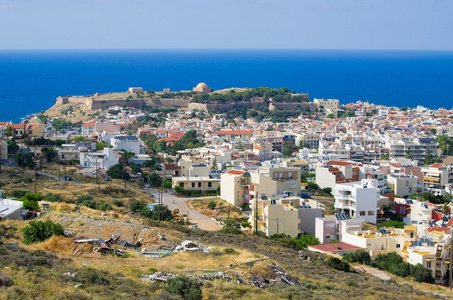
{"x": 293, "y": 106}
{"x": 98, "y": 104}
{"x": 167, "y": 103}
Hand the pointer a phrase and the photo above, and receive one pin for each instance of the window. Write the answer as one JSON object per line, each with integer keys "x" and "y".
{"x": 181, "y": 184}
{"x": 209, "y": 184}
{"x": 199, "y": 184}
{"x": 193, "y": 184}
{"x": 327, "y": 236}
{"x": 361, "y": 213}
{"x": 371, "y": 212}
{"x": 428, "y": 264}
{"x": 398, "y": 246}
{"x": 412, "y": 235}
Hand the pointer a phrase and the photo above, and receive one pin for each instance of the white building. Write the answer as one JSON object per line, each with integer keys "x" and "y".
{"x": 99, "y": 160}
{"x": 129, "y": 143}
{"x": 358, "y": 199}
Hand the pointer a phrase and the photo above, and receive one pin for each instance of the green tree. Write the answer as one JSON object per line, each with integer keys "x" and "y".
{"x": 155, "y": 180}
{"x": 187, "y": 288}
{"x": 231, "y": 227}
{"x": 287, "y": 152}
{"x": 394, "y": 223}
{"x": 360, "y": 256}
{"x": 212, "y": 204}
{"x": 30, "y": 201}
{"x": 12, "y": 146}
{"x": 38, "y": 231}
{"x": 116, "y": 172}
{"x": 49, "y": 153}
{"x": 9, "y": 131}
{"x": 337, "y": 264}
{"x": 166, "y": 184}
{"x": 24, "y": 159}
{"x": 214, "y": 164}
{"x": 330, "y": 116}
{"x": 385, "y": 156}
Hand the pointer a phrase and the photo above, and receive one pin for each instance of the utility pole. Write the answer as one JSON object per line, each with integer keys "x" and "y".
{"x": 124, "y": 176}
{"x": 35, "y": 175}
{"x": 451, "y": 262}
{"x": 278, "y": 221}
{"x": 159, "y": 197}
{"x": 229, "y": 205}
{"x": 59, "y": 177}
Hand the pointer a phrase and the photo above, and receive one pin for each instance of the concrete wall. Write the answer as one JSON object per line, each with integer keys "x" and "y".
{"x": 307, "y": 218}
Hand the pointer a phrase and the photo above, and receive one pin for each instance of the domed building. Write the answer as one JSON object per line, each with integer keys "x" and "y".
{"x": 202, "y": 88}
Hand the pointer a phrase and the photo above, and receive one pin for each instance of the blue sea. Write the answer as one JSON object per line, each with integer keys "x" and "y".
{"x": 31, "y": 80}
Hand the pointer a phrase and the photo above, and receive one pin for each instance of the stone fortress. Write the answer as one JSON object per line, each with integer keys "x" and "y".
{"x": 136, "y": 97}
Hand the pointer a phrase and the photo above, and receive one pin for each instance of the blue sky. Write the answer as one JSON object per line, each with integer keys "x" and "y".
{"x": 283, "y": 24}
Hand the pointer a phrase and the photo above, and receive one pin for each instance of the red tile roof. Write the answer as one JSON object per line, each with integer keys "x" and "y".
{"x": 335, "y": 247}
{"x": 89, "y": 124}
{"x": 438, "y": 228}
{"x": 436, "y": 165}
{"x": 236, "y": 172}
{"x": 435, "y": 215}
{"x": 339, "y": 163}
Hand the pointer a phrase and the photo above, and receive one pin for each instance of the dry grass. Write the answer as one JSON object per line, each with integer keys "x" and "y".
{"x": 220, "y": 211}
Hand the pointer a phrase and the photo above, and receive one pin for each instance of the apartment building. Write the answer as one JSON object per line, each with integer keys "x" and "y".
{"x": 128, "y": 143}
{"x": 99, "y": 160}
{"x": 402, "y": 184}
{"x": 235, "y": 187}
{"x": 328, "y": 229}
{"x": 335, "y": 172}
{"x": 358, "y": 199}
{"x": 195, "y": 183}
{"x": 273, "y": 180}
{"x": 437, "y": 177}
{"x": 418, "y": 148}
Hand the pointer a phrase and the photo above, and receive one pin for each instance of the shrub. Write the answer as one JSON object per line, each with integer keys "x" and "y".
{"x": 19, "y": 194}
{"x": 229, "y": 251}
{"x": 118, "y": 203}
{"x": 231, "y": 227}
{"x": 394, "y": 264}
{"x": 337, "y": 264}
{"x": 38, "y": 231}
{"x": 52, "y": 198}
{"x": 102, "y": 205}
{"x": 116, "y": 172}
{"x": 30, "y": 201}
{"x": 212, "y": 204}
{"x": 5, "y": 281}
{"x": 83, "y": 198}
{"x": 361, "y": 256}
{"x": 421, "y": 274}
{"x": 188, "y": 289}
{"x": 137, "y": 206}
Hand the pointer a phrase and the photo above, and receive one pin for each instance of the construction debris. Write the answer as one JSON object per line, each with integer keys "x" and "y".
{"x": 261, "y": 282}
{"x": 191, "y": 246}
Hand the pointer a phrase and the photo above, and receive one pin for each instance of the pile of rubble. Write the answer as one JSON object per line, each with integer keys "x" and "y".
{"x": 261, "y": 282}
{"x": 191, "y": 246}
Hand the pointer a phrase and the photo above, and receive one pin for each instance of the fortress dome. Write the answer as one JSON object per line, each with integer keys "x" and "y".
{"x": 202, "y": 88}
{"x": 202, "y": 85}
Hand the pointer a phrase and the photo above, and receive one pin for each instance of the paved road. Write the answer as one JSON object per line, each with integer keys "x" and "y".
{"x": 195, "y": 218}
{"x": 54, "y": 177}
{"x": 376, "y": 273}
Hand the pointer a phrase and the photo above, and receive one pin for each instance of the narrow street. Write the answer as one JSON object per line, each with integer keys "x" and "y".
{"x": 54, "y": 177}
{"x": 195, "y": 218}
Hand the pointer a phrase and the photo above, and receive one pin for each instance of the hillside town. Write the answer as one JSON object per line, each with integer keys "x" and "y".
{"x": 355, "y": 176}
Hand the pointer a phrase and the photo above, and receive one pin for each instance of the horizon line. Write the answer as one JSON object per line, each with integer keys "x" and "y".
{"x": 225, "y": 49}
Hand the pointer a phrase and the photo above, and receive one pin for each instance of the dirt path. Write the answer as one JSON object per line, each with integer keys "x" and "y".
{"x": 195, "y": 218}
